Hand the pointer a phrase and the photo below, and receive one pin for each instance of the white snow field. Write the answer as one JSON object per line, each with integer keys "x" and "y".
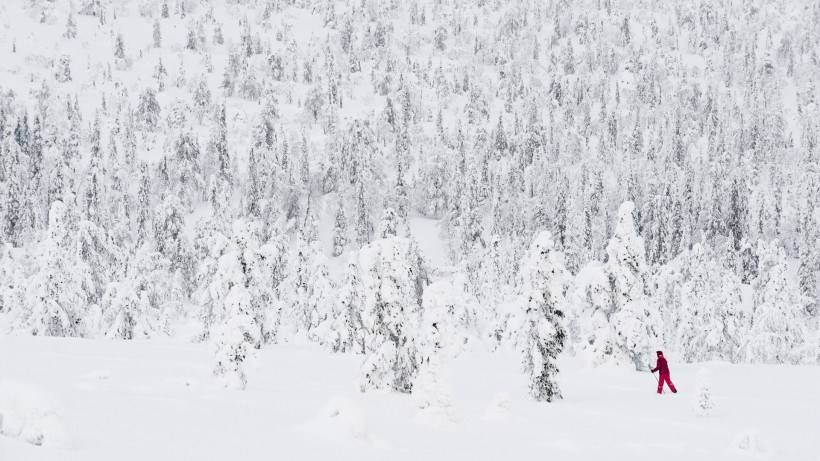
{"x": 156, "y": 400}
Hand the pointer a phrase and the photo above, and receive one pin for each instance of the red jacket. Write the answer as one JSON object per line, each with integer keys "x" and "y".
{"x": 662, "y": 366}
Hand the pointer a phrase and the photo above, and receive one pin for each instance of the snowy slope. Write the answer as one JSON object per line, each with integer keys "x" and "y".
{"x": 380, "y": 179}
{"x": 155, "y": 400}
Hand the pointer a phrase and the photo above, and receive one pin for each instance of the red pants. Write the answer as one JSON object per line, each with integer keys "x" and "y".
{"x": 665, "y": 379}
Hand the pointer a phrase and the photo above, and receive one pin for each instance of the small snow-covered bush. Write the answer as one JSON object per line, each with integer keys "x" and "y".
{"x": 29, "y": 415}
{"x": 342, "y": 420}
{"x": 499, "y": 407}
{"x": 749, "y": 442}
{"x": 703, "y": 403}
{"x": 432, "y": 396}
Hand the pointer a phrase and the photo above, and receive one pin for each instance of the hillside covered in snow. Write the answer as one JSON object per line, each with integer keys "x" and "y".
{"x": 403, "y": 182}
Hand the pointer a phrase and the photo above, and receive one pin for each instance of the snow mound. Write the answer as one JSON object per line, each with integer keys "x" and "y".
{"x": 750, "y": 443}
{"x": 92, "y": 380}
{"x": 30, "y": 415}
{"x": 340, "y": 421}
{"x": 498, "y": 408}
{"x": 431, "y": 395}
{"x": 99, "y": 375}
{"x": 436, "y": 417}
{"x": 184, "y": 382}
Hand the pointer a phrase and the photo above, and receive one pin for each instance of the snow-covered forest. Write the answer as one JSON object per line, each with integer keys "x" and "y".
{"x": 403, "y": 181}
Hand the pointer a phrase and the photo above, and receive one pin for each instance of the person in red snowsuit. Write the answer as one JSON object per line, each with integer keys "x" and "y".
{"x": 663, "y": 367}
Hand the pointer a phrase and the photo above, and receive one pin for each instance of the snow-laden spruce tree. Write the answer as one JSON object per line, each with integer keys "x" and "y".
{"x": 431, "y": 391}
{"x": 635, "y": 322}
{"x": 352, "y": 334}
{"x": 12, "y": 281}
{"x": 452, "y": 314}
{"x": 340, "y": 235}
{"x": 778, "y": 329}
{"x": 612, "y": 318}
{"x": 596, "y": 341}
{"x": 229, "y": 262}
{"x": 296, "y": 291}
{"x": 321, "y": 303}
{"x": 702, "y": 305}
{"x": 213, "y": 276}
{"x": 55, "y": 295}
{"x": 142, "y": 302}
{"x": 123, "y": 309}
{"x": 390, "y": 312}
{"x": 544, "y": 282}
{"x": 488, "y": 285}
{"x": 236, "y": 338}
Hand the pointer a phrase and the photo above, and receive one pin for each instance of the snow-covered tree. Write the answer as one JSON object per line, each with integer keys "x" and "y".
{"x": 703, "y": 306}
{"x": 431, "y": 391}
{"x": 636, "y": 324}
{"x": 63, "y": 69}
{"x": 323, "y": 323}
{"x": 390, "y": 312}
{"x": 157, "y": 35}
{"x": 388, "y": 226}
{"x": 590, "y": 320}
{"x": 148, "y": 110}
{"x": 55, "y": 298}
{"x": 234, "y": 344}
{"x": 352, "y": 333}
{"x": 70, "y": 27}
{"x": 544, "y": 283}
{"x": 339, "y": 231}
{"x": 778, "y": 322}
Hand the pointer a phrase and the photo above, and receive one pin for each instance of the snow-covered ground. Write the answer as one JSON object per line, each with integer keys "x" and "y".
{"x": 103, "y": 400}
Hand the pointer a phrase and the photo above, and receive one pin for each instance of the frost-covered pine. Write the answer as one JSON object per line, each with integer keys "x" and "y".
{"x": 119, "y": 47}
{"x": 230, "y": 262}
{"x": 148, "y": 110}
{"x": 703, "y": 404}
{"x": 234, "y": 344}
{"x": 594, "y": 333}
{"x": 70, "y": 27}
{"x": 544, "y": 282}
{"x": 160, "y": 74}
{"x": 339, "y": 231}
{"x": 634, "y": 320}
{"x": 351, "y": 334}
{"x": 63, "y": 69}
{"x": 157, "y": 35}
{"x": 12, "y": 281}
{"x": 55, "y": 293}
{"x": 452, "y": 316}
{"x": 388, "y": 226}
{"x": 139, "y": 304}
{"x": 778, "y": 322}
{"x": 363, "y": 224}
{"x": 390, "y": 313}
{"x": 438, "y": 340}
{"x": 321, "y": 301}
{"x": 209, "y": 244}
{"x": 705, "y": 316}
{"x": 122, "y": 305}
{"x": 296, "y": 288}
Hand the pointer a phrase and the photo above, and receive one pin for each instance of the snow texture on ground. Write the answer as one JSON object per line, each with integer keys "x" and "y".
{"x": 156, "y": 400}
